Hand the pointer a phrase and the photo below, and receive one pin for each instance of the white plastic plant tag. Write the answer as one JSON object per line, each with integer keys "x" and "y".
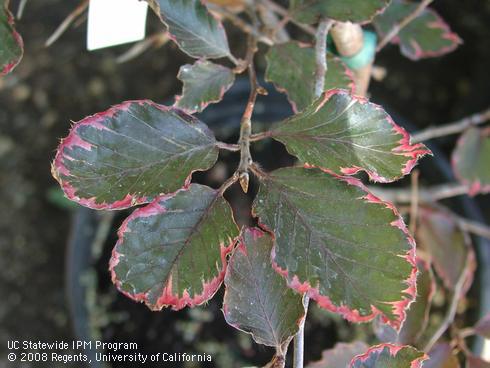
{"x": 114, "y": 22}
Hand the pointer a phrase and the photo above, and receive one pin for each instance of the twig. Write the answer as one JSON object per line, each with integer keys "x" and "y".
{"x": 403, "y": 23}
{"x": 299, "y": 338}
{"x": 453, "y": 127}
{"x": 240, "y": 23}
{"x": 427, "y": 195}
{"x": 321, "y": 55}
{"x": 414, "y": 203}
{"x": 157, "y": 39}
{"x": 260, "y": 136}
{"x": 232, "y": 180}
{"x": 20, "y": 9}
{"x": 228, "y": 146}
{"x": 283, "y": 12}
{"x": 275, "y": 26}
{"x": 67, "y": 22}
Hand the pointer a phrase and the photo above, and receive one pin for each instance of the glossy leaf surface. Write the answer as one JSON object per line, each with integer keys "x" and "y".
{"x": 192, "y": 27}
{"x": 291, "y": 67}
{"x": 347, "y": 134}
{"x": 348, "y": 250}
{"x": 426, "y": 36}
{"x": 356, "y": 11}
{"x": 132, "y": 153}
{"x": 390, "y": 356}
{"x": 471, "y": 160}
{"x": 11, "y": 45}
{"x": 173, "y": 251}
{"x": 204, "y": 83}
{"x": 340, "y": 356}
{"x": 257, "y": 299}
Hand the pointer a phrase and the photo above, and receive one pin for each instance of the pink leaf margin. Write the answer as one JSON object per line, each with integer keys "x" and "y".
{"x": 168, "y": 297}
{"x": 475, "y": 187}
{"x": 353, "y": 315}
{"x": 9, "y": 67}
{"x": 393, "y": 349}
{"x": 73, "y": 140}
{"x": 412, "y": 151}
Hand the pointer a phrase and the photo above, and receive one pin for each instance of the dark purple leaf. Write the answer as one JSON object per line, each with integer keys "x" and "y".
{"x": 204, "y": 83}
{"x": 291, "y": 67}
{"x": 442, "y": 356}
{"x": 340, "y": 356}
{"x": 132, "y": 153}
{"x": 173, "y": 251}
{"x": 347, "y": 134}
{"x": 11, "y": 45}
{"x": 426, "y": 36}
{"x": 192, "y": 27}
{"x": 389, "y": 356}
{"x": 471, "y": 160}
{"x": 257, "y": 300}
{"x": 345, "y": 248}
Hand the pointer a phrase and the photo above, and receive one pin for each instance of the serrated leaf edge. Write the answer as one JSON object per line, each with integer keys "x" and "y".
{"x": 353, "y": 315}
{"x": 394, "y": 349}
{"x": 257, "y": 234}
{"x": 167, "y": 298}
{"x": 58, "y": 167}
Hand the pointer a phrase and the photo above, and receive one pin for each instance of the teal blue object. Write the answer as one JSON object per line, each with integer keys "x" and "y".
{"x": 363, "y": 57}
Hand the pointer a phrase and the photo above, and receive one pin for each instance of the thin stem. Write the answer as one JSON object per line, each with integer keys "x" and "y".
{"x": 67, "y": 22}
{"x": 403, "y": 23}
{"x": 321, "y": 55}
{"x": 155, "y": 40}
{"x": 453, "y": 127}
{"x": 284, "y": 12}
{"x": 232, "y": 180}
{"x": 414, "y": 204}
{"x": 260, "y": 136}
{"x": 20, "y": 9}
{"x": 427, "y": 195}
{"x": 299, "y": 338}
{"x": 228, "y": 146}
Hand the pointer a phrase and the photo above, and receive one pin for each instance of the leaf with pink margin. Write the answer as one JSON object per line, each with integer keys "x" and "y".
{"x": 390, "y": 356}
{"x": 348, "y": 134}
{"x": 449, "y": 248}
{"x": 204, "y": 83}
{"x": 442, "y": 356}
{"x": 340, "y": 355}
{"x": 291, "y": 68}
{"x": 338, "y": 243}
{"x": 356, "y": 11}
{"x": 471, "y": 160}
{"x": 196, "y": 31}
{"x": 132, "y": 153}
{"x": 173, "y": 251}
{"x": 257, "y": 299}
{"x": 426, "y": 36}
{"x": 11, "y": 44}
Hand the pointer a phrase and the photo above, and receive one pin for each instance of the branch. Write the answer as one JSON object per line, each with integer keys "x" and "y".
{"x": 321, "y": 55}
{"x": 427, "y": 195}
{"x": 155, "y": 40}
{"x": 283, "y": 12}
{"x": 299, "y": 338}
{"x": 80, "y": 9}
{"x": 452, "y": 128}
{"x": 403, "y": 23}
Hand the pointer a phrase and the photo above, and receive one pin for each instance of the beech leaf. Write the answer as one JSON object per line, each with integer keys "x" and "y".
{"x": 442, "y": 356}
{"x": 340, "y": 356}
{"x": 173, "y": 251}
{"x": 425, "y": 36}
{"x": 132, "y": 153}
{"x": 471, "y": 160}
{"x": 192, "y": 27}
{"x": 341, "y": 245}
{"x": 390, "y": 356}
{"x": 11, "y": 45}
{"x": 257, "y": 299}
{"x": 347, "y": 134}
{"x": 204, "y": 83}
{"x": 449, "y": 248}
{"x": 291, "y": 67}
{"x": 356, "y": 11}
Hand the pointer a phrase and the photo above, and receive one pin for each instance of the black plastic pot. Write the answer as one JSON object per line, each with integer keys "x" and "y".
{"x": 224, "y": 120}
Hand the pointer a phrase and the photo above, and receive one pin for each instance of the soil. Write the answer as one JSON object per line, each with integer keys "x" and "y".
{"x": 54, "y": 86}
